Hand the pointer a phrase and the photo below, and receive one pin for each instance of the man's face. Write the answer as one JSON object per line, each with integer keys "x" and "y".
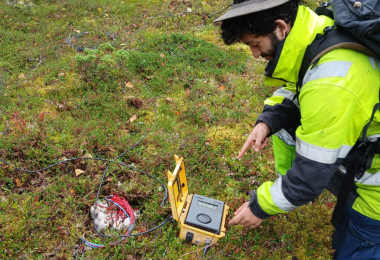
{"x": 264, "y": 46}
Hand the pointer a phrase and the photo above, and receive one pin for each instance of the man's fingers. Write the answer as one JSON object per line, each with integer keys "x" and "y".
{"x": 235, "y": 220}
{"x": 253, "y": 226}
{"x": 259, "y": 140}
{"x": 246, "y": 145}
{"x": 240, "y": 209}
{"x": 264, "y": 143}
{"x": 242, "y": 151}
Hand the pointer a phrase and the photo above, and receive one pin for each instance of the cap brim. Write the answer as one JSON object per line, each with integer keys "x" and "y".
{"x": 251, "y": 6}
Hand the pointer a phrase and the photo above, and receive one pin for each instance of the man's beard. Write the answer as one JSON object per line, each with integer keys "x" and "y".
{"x": 274, "y": 41}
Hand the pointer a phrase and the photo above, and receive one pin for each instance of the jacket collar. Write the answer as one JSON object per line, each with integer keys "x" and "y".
{"x": 290, "y": 51}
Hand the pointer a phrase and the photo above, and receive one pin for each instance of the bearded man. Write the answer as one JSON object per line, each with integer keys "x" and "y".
{"x": 314, "y": 132}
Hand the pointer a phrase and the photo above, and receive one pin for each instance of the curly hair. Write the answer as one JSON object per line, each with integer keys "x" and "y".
{"x": 260, "y": 23}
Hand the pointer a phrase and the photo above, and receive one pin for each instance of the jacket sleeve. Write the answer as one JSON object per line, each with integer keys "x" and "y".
{"x": 280, "y": 111}
{"x": 330, "y": 126}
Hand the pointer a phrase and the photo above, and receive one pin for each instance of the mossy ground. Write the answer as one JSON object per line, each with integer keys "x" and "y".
{"x": 170, "y": 76}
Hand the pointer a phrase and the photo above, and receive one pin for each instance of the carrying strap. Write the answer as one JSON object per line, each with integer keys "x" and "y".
{"x": 357, "y": 162}
{"x": 322, "y": 10}
{"x": 365, "y": 129}
{"x": 333, "y": 38}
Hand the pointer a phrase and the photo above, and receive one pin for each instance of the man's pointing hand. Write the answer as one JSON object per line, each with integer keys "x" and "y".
{"x": 245, "y": 217}
{"x": 257, "y": 139}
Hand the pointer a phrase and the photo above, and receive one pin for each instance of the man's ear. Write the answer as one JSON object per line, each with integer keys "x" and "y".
{"x": 283, "y": 28}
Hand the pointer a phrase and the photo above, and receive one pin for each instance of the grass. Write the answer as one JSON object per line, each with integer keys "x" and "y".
{"x": 169, "y": 76}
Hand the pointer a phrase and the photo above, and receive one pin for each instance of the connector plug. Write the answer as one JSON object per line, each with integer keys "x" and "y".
{"x": 207, "y": 247}
{"x": 131, "y": 227}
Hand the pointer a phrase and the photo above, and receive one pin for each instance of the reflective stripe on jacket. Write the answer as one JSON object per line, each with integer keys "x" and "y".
{"x": 336, "y": 101}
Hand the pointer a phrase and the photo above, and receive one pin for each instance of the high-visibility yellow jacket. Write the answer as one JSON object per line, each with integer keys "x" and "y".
{"x": 313, "y": 137}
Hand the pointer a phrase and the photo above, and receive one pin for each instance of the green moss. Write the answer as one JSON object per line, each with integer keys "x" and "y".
{"x": 169, "y": 77}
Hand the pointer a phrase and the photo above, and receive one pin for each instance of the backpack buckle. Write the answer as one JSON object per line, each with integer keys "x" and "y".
{"x": 328, "y": 29}
{"x": 325, "y": 4}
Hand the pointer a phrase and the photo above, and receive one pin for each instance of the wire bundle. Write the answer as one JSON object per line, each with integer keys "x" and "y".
{"x": 117, "y": 214}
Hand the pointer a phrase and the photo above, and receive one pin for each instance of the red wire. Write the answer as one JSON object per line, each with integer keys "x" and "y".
{"x": 125, "y": 205}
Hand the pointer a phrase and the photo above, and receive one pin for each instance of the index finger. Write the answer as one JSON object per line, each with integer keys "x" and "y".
{"x": 235, "y": 220}
{"x": 244, "y": 149}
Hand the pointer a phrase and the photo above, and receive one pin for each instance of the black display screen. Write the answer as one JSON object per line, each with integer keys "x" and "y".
{"x": 207, "y": 205}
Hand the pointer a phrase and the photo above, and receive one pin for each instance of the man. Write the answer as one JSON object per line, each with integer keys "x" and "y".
{"x": 312, "y": 137}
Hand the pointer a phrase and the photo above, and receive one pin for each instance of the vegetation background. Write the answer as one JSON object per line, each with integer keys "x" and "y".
{"x": 154, "y": 70}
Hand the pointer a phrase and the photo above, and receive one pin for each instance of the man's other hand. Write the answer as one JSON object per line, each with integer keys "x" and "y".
{"x": 257, "y": 138}
{"x": 245, "y": 217}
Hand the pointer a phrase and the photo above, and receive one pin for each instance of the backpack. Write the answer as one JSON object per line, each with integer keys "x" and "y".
{"x": 357, "y": 27}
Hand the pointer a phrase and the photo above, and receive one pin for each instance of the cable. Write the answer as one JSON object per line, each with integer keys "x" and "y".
{"x": 155, "y": 239}
{"x": 95, "y": 159}
{"x": 105, "y": 171}
{"x": 128, "y": 234}
{"x": 206, "y": 248}
{"x": 70, "y": 41}
{"x": 93, "y": 245}
{"x": 150, "y": 230}
{"x": 224, "y": 248}
{"x": 207, "y": 244}
{"x": 40, "y": 60}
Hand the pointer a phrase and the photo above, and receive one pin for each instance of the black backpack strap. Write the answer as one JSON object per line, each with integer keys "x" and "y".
{"x": 333, "y": 38}
{"x": 322, "y": 10}
{"x": 365, "y": 129}
{"x": 356, "y": 162}
{"x": 310, "y": 53}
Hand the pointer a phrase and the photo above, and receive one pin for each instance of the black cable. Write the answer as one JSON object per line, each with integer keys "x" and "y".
{"x": 102, "y": 180}
{"x": 206, "y": 248}
{"x": 40, "y": 60}
{"x": 155, "y": 239}
{"x": 95, "y": 159}
{"x": 224, "y": 248}
{"x": 105, "y": 171}
{"x": 69, "y": 41}
{"x": 160, "y": 15}
{"x": 154, "y": 245}
{"x": 150, "y": 230}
